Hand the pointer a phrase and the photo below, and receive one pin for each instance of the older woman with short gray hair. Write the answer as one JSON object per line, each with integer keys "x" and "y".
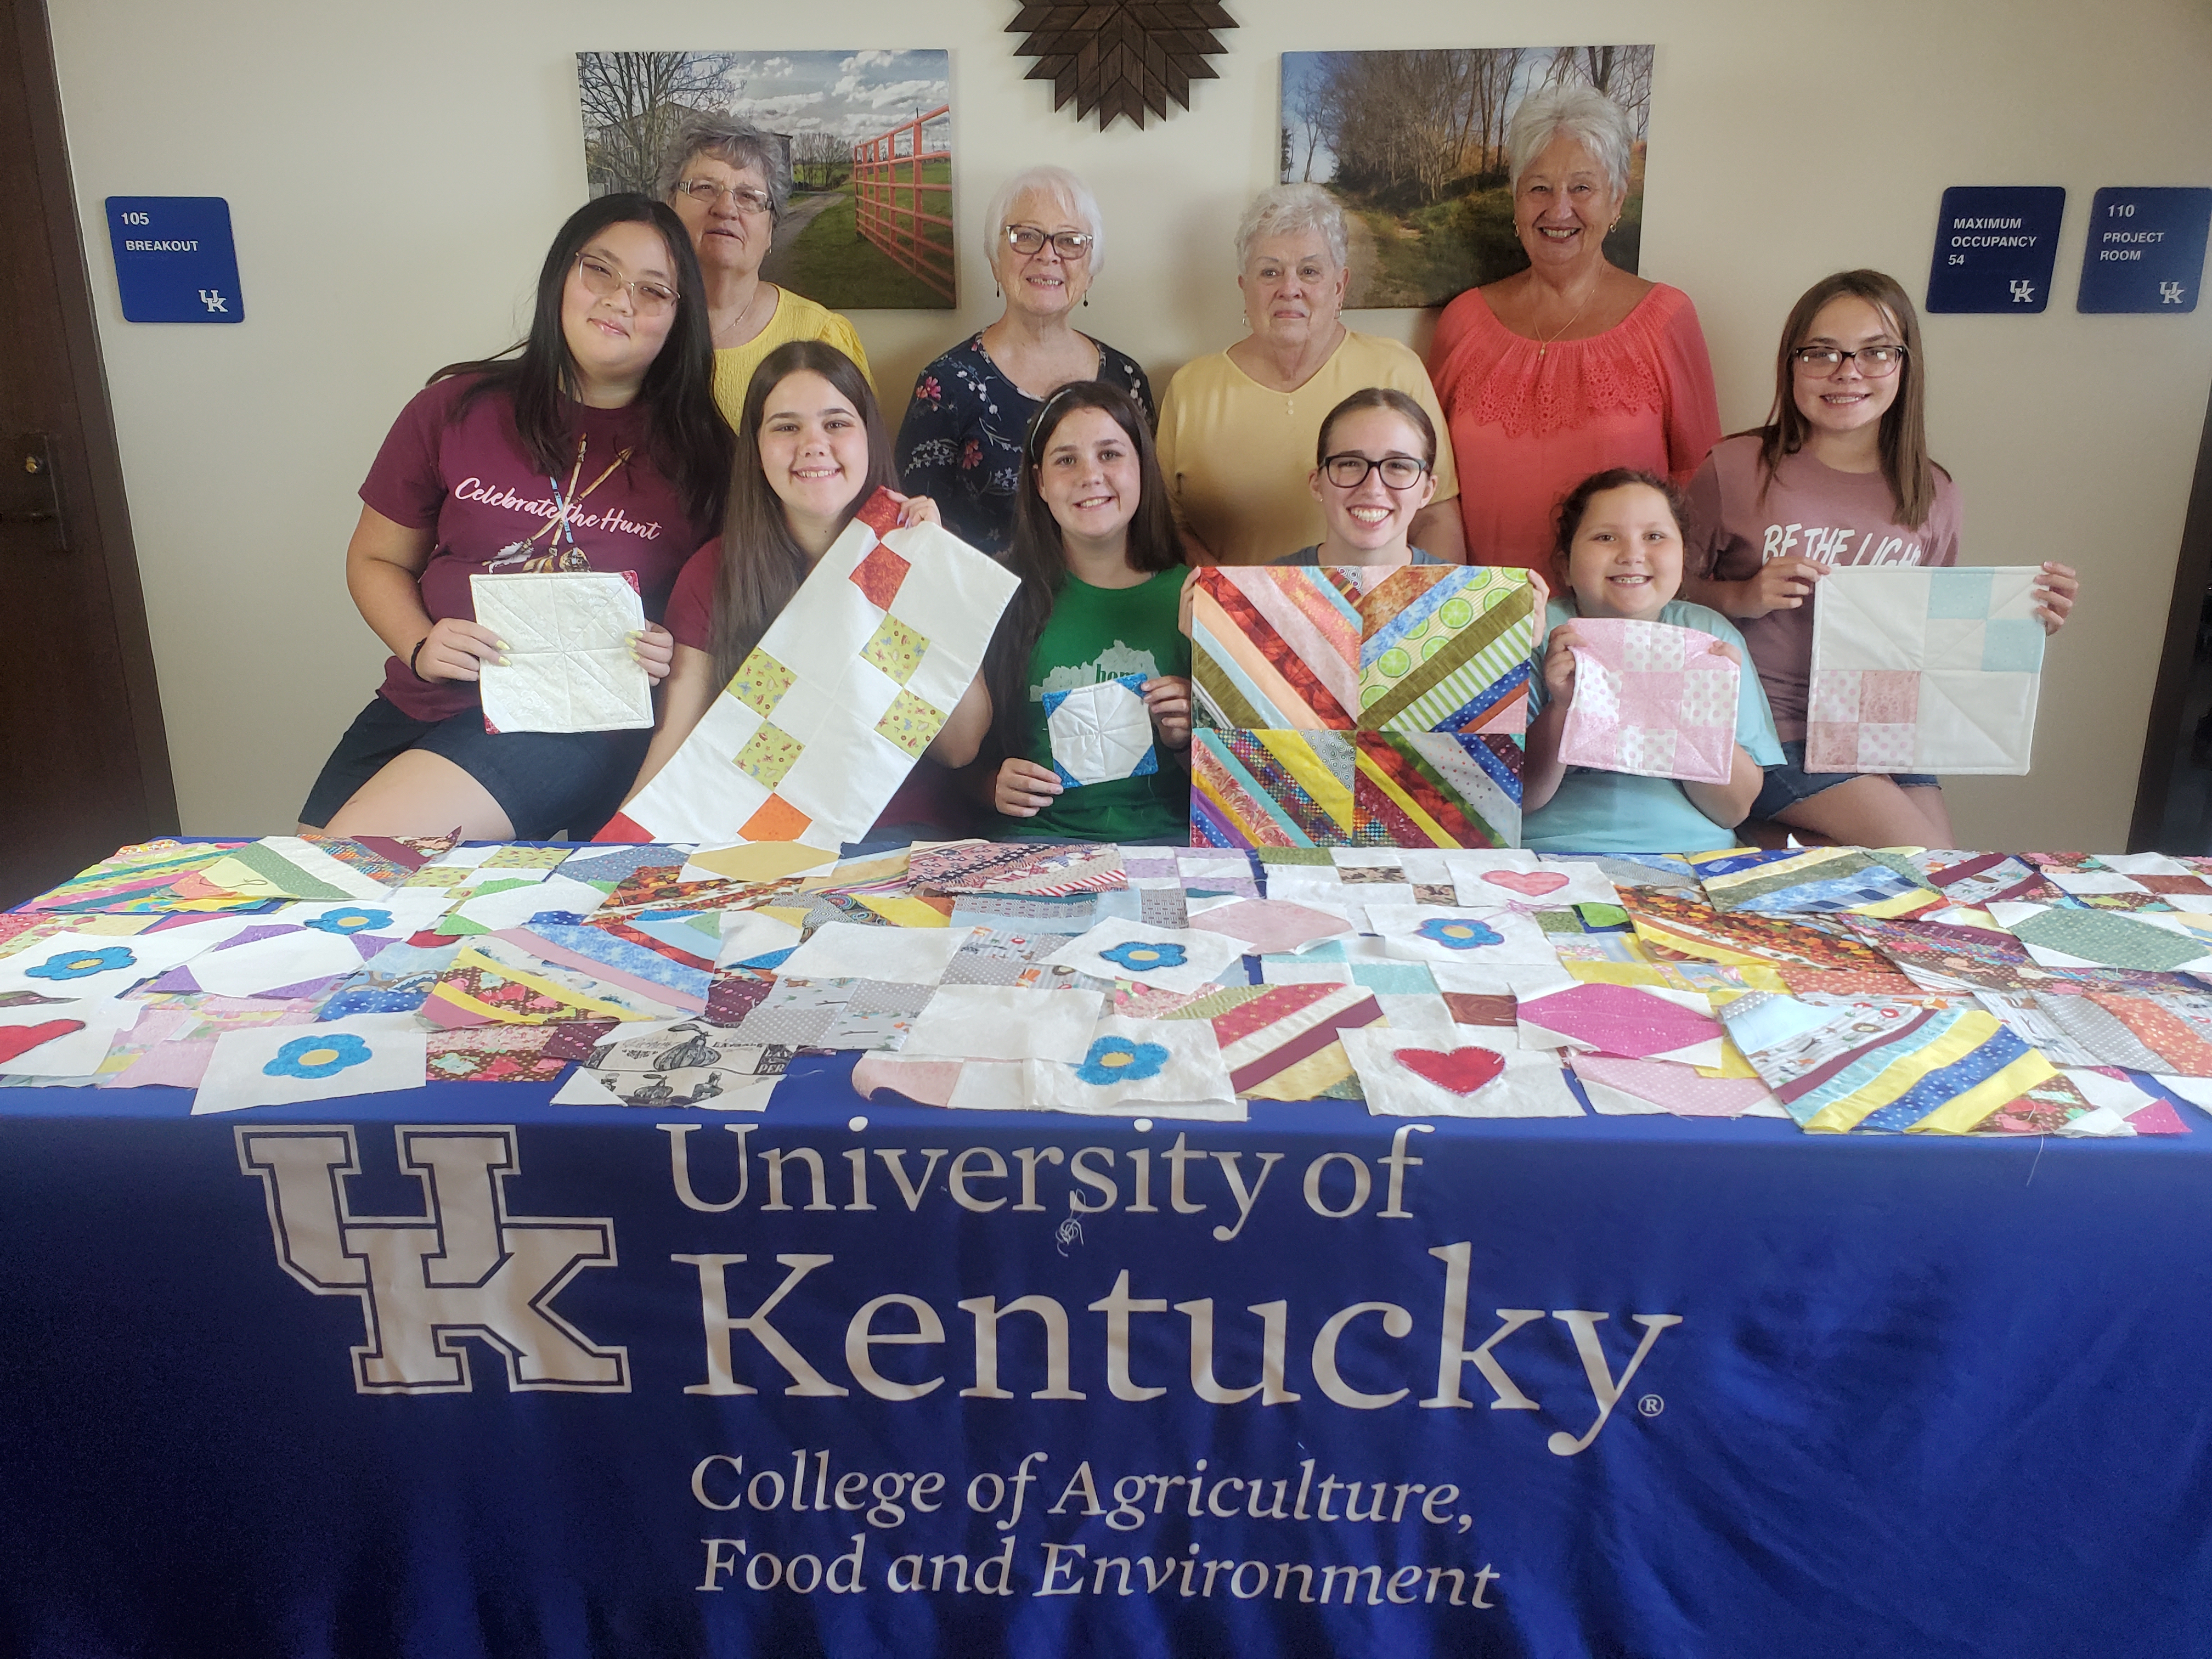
{"x": 961, "y": 442}
{"x": 730, "y": 184}
{"x": 1237, "y": 428}
{"x": 1572, "y": 365}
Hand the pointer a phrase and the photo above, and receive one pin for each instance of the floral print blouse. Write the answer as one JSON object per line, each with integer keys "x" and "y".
{"x": 961, "y": 442}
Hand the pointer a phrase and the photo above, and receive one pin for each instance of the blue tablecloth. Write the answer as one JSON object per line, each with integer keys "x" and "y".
{"x": 459, "y": 1372}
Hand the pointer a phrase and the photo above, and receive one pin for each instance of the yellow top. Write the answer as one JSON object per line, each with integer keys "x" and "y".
{"x": 795, "y": 318}
{"x": 1236, "y": 455}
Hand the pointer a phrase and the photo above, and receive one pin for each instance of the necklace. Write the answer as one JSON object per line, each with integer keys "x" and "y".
{"x": 743, "y": 312}
{"x": 1543, "y": 345}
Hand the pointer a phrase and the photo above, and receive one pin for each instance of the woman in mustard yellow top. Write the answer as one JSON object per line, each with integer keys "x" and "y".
{"x": 728, "y": 181}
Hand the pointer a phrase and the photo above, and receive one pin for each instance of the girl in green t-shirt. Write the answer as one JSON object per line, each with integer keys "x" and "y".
{"x": 1100, "y": 601}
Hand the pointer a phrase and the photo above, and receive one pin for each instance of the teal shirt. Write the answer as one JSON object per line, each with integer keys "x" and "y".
{"x": 1598, "y": 812}
{"x": 1097, "y": 633}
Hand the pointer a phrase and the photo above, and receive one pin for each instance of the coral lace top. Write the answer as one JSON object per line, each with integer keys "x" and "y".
{"x": 1526, "y": 428}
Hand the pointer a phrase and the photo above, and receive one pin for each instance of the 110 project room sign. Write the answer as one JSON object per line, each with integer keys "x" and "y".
{"x": 1995, "y": 247}
{"x": 175, "y": 259}
{"x": 2145, "y": 250}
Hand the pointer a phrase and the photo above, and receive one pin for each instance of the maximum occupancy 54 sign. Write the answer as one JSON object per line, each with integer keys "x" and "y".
{"x": 1996, "y": 246}
{"x": 175, "y": 259}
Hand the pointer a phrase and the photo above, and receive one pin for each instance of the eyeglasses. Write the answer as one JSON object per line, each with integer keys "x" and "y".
{"x": 1875, "y": 363}
{"x": 1029, "y": 239}
{"x": 745, "y": 197}
{"x": 1349, "y": 471}
{"x": 651, "y": 298}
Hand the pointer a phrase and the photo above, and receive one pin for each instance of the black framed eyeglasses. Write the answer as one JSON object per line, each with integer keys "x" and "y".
{"x": 1349, "y": 471}
{"x": 745, "y": 197}
{"x": 1876, "y": 362}
{"x": 1029, "y": 239}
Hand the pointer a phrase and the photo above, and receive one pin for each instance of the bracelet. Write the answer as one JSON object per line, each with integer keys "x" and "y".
{"x": 416, "y": 653}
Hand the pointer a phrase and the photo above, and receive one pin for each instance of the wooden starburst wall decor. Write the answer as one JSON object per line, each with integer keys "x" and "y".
{"x": 1121, "y": 59}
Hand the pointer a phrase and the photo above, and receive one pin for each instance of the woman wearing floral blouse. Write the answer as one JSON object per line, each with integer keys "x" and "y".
{"x": 961, "y": 442}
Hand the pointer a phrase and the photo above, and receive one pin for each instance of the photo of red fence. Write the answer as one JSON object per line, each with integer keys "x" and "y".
{"x": 867, "y": 138}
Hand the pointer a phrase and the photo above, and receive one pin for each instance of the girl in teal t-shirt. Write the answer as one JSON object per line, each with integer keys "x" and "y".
{"x": 1101, "y": 599}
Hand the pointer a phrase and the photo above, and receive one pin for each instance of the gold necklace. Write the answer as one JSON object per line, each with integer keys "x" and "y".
{"x": 1543, "y": 345}
{"x": 744, "y": 311}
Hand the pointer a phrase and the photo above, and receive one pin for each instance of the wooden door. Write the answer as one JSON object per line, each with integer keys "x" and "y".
{"x": 84, "y": 765}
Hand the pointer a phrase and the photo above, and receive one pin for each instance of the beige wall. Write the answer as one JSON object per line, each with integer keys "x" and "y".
{"x": 395, "y": 170}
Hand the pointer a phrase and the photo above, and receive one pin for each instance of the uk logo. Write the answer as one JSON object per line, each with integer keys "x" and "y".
{"x": 463, "y": 1268}
{"x": 2169, "y": 294}
{"x": 2023, "y": 291}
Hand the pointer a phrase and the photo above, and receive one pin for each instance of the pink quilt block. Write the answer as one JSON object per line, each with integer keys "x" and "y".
{"x": 1653, "y": 700}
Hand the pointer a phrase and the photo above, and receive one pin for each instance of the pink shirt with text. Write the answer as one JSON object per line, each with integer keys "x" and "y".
{"x": 1809, "y": 511}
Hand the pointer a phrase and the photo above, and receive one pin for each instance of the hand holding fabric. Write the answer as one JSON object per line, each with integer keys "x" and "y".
{"x": 2056, "y": 589}
{"x": 455, "y": 648}
{"x": 1168, "y": 700}
{"x": 1023, "y": 789}
{"x": 654, "y": 650}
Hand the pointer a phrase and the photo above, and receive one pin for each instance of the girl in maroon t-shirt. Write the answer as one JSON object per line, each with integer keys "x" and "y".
{"x": 597, "y": 446}
{"x": 1840, "y": 476}
{"x": 812, "y": 449}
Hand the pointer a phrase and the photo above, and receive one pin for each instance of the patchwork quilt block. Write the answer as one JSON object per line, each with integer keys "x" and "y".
{"x": 1285, "y": 788}
{"x": 568, "y": 666}
{"x": 1651, "y": 699}
{"x": 1918, "y": 670}
{"x": 1878, "y": 1063}
{"x": 826, "y": 716}
{"x": 1101, "y": 733}
{"x": 1341, "y": 707}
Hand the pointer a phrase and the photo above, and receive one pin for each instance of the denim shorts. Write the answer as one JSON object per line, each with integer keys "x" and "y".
{"x": 1789, "y": 783}
{"x": 546, "y": 782}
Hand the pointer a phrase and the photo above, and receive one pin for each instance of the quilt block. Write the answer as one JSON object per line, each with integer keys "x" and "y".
{"x": 568, "y": 666}
{"x": 1653, "y": 700}
{"x": 1923, "y": 671}
{"x": 1339, "y": 706}
{"x": 826, "y": 716}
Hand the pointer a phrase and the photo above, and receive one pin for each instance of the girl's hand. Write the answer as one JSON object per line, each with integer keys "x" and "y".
{"x": 1023, "y": 789}
{"x": 1722, "y": 648}
{"x": 2057, "y": 587}
{"x": 456, "y": 648}
{"x": 655, "y": 651}
{"x": 1559, "y": 665}
{"x": 916, "y": 509}
{"x": 1182, "y": 613}
{"x": 1168, "y": 698}
{"x": 1543, "y": 590}
{"x": 1780, "y": 585}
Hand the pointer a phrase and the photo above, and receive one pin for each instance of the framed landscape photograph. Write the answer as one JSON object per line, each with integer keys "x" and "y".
{"x": 1413, "y": 143}
{"x": 868, "y": 135}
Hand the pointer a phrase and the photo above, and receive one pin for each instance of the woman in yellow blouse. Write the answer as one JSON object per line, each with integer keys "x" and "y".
{"x": 729, "y": 182}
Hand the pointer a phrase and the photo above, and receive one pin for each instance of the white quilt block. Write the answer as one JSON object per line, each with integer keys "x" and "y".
{"x": 822, "y": 722}
{"x": 1101, "y": 733}
{"x": 568, "y": 666}
{"x": 1916, "y": 670}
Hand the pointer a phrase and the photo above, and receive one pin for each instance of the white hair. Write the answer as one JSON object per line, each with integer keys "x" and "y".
{"x": 1580, "y": 112}
{"x": 1287, "y": 209}
{"x": 1064, "y": 187}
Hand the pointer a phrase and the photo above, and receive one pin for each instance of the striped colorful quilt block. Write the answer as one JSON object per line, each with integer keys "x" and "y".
{"x": 1277, "y": 789}
{"x": 1339, "y": 706}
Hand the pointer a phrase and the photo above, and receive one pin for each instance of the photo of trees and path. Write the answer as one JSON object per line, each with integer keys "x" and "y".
{"x": 1413, "y": 144}
{"x": 868, "y": 135}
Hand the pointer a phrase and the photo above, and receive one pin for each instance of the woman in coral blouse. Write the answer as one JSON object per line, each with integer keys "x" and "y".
{"x": 1572, "y": 365}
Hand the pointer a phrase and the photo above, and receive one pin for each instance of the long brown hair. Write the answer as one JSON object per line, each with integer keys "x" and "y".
{"x": 1905, "y": 461}
{"x": 1039, "y": 557}
{"x": 763, "y": 564}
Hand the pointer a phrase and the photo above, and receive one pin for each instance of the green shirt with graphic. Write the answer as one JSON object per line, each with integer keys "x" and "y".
{"x": 1097, "y": 633}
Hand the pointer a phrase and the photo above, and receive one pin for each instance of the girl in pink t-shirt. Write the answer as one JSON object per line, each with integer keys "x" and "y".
{"x": 811, "y": 449}
{"x": 1840, "y": 476}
